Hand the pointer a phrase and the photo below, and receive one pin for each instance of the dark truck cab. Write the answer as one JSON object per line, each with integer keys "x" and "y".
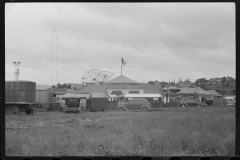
{"x": 72, "y": 105}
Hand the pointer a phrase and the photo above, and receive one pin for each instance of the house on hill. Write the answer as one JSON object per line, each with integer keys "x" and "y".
{"x": 75, "y": 86}
{"x": 215, "y": 81}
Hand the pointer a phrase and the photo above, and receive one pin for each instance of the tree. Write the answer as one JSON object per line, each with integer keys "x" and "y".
{"x": 224, "y": 92}
{"x": 224, "y": 80}
{"x": 200, "y": 82}
{"x": 230, "y": 78}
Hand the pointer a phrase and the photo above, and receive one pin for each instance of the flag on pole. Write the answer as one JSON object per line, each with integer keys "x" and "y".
{"x": 124, "y": 62}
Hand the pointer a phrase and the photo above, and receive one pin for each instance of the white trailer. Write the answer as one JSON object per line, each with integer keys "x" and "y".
{"x": 61, "y": 98}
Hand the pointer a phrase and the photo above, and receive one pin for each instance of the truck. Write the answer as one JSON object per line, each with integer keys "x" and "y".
{"x": 19, "y": 96}
{"x": 72, "y": 104}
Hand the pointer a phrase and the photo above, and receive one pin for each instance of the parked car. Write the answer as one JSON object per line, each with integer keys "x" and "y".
{"x": 134, "y": 104}
{"x": 191, "y": 102}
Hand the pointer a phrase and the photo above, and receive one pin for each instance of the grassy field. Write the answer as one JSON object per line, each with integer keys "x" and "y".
{"x": 206, "y": 131}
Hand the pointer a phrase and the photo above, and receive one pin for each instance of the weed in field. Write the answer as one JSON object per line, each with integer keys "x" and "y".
{"x": 180, "y": 132}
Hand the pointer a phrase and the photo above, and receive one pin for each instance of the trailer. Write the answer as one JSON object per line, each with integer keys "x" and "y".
{"x": 97, "y": 102}
{"x": 61, "y": 98}
{"x": 72, "y": 104}
{"x": 173, "y": 99}
{"x": 19, "y": 95}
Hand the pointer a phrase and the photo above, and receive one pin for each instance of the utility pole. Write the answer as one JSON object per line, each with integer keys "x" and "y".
{"x": 16, "y": 72}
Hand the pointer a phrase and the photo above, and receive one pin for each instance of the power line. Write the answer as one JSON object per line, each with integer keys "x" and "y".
{"x": 116, "y": 71}
{"x": 130, "y": 73}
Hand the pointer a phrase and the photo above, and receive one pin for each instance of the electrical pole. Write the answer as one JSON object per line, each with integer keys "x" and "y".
{"x": 16, "y": 72}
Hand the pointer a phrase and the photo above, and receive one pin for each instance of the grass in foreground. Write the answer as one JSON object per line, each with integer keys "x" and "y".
{"x": 208, "y": 131}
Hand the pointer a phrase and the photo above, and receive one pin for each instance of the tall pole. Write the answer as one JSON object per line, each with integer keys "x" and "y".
{"x": 121, "y": 69}
{"x": 16, "y": 73}
{"x": 121, "y": 65}
{"x": 52, "y": 50}
{"x": 57, "y": 55}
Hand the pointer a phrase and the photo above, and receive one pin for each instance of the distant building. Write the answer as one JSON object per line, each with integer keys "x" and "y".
{"x": 184, "y": 84}
{"x": 215, "y": 81}
{"x": 75, "y": 86}
{"x": 153, "y": 82}
{"x": 41, "y": 93}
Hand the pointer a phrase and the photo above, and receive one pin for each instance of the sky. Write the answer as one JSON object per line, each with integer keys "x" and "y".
{"x": 159, "y": 41}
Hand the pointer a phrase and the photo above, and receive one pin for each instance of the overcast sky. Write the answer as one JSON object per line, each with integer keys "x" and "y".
{"x": 157, "y": 40}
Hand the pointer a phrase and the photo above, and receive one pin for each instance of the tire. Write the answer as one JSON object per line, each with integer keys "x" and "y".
{"x": 183, "y": 105}
{"x": 198, "y": 105}
{"x": 144, "y": 109}
{"x": 15, "y": 110}
{"x": 120, "y": 109}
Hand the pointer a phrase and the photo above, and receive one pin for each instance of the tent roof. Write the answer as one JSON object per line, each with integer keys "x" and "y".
{"x": 91, "y": 88}
{"x": 123, "y": 79}
{"x": 215, "y": 93}
{"x": 194, "y": 90}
